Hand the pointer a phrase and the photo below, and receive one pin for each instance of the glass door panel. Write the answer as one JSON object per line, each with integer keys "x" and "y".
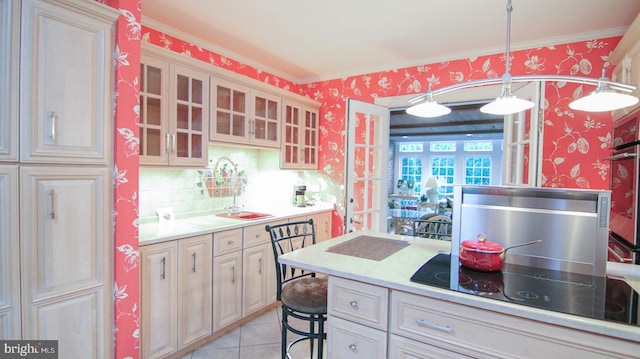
{"x": 153, "y": 124}
{"x": 367, "y": 153}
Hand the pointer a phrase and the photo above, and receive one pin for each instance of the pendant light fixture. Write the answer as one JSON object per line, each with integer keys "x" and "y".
{"x": 507, "y": 103}
{"x": 428, "y": 108}
{"x": 604, "y": 98}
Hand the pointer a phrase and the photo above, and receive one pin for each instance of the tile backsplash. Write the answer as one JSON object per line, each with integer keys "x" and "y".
{"x": 268, "y": 187}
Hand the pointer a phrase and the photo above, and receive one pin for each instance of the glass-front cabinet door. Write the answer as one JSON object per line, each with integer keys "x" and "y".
{"x": 291, "y": 129}
{"x": 153, "y": 111}
{"x": 189, "y": 114}
{"x": 174, "y": 114}
{"x": 230, "y": 106}
{"x": 310, "y": 139}
{"x": 266, "y": 120}
{"x": 299, "y": 136}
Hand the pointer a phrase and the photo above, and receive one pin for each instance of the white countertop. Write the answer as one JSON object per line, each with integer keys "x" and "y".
{"x": 150, "y": 233}
{"x": 395, "y": 271}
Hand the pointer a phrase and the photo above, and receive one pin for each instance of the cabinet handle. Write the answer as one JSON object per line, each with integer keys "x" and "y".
{"x": 259, "y": 265}
{"x": 353, "y": 304}
{"x": 52, "y": 196}
{"x": 54, "y": 118}
{"x": 193, "y": 262}
{"x": 173, "y": 143}
{"x": 353, "y": 347}
{"x": 168, "y": 141}
{"x": 444, "y": 328}
{"x": 233, "y": 275}
{"x": 162, "y": 263}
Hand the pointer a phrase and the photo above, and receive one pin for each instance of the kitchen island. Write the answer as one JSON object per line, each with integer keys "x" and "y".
{"x": 376, "y": 311}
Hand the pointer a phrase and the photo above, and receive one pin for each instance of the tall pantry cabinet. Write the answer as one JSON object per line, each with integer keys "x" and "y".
{"x": 55, "y": 174}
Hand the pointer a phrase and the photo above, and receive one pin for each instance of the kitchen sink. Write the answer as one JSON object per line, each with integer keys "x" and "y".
{"x": 245, "y": 215}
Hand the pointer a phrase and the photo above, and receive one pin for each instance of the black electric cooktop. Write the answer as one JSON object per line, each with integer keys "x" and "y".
{"x": 571, "y": 293}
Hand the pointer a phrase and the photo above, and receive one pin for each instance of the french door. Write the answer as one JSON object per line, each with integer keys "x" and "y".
{"x": 366, "y": 173}
{"x": 522, "y": 144}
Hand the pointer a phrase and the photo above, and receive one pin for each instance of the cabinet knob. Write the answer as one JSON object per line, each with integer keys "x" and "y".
{"x": 353, "y": 304}
{"x": 353, "y": 347}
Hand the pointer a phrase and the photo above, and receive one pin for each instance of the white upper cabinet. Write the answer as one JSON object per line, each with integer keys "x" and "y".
{"x": 66, "y": 83}
{"x": 299, "y": 136}
{"x": 174, "y": 113}
{"x": 9, "y": 57}
{"x": 243, "y": 115}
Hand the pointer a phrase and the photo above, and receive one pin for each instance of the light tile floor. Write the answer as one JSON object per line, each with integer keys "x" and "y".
{"x": 258, "y": 339}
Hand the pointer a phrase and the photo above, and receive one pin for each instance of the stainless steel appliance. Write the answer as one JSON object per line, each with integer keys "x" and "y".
{"x": 573, "y": 225}
{"x": 585, "y": 295}
{"x": 624, "y": 245}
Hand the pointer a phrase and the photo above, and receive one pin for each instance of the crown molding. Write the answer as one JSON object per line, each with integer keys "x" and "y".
{"x": 525, "y": 45}
{"x": 199, "y": 42}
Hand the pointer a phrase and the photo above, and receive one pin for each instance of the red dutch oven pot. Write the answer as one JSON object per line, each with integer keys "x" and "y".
{"x": 484, "y": 255}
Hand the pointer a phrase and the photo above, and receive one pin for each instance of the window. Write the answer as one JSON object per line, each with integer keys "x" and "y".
{"x": 443, "y": 168}
{"x": 443, "y": 147}
{"x": 476, "y": 146}
{"x": 411, "y": 147}
{"x": 411, "y": 169}
{"x": 477, "y": 170}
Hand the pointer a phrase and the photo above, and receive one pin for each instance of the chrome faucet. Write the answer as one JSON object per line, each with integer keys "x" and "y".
{"x": 235, "y": 209}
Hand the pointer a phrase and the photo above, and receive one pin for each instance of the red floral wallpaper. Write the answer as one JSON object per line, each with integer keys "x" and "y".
{"x": 125, "y": 180}
{"x": 573, "y": 146}
{"x": 574, "y": 142}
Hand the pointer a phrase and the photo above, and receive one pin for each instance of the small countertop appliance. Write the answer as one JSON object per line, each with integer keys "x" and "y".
{"x": 299, "y": 195}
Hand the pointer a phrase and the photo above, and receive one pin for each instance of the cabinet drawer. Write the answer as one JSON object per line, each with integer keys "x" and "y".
{"x": 350, "y": 340}
{"x": 486, "y": 334}
{"x": 359, "y": 302}
{"x": 256, "y": 235}
{"x": 227, "y": 241}
{"x": 403, "y": 348}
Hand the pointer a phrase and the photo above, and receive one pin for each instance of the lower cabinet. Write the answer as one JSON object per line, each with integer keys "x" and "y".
{"x": 194, "y": 289}
{"x": 66, "y": 267}
{"x": 227, "y": 278}
{"x": 462, "y": 331}
{"x": 322, "y": 222}
{"x": 357, "y": 320}
{"x": 176, "y": 294}
{"x": 258, "y": 269}
{"x": 350, "y": 340}
{"x": 403, "y": 348}
{"x": 363, "y": 318}
{"x": 195, "y": 286}
{"x": 159, "y": 299}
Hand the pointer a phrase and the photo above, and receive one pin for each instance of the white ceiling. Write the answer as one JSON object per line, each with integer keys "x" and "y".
{"x": 306, "y": 41}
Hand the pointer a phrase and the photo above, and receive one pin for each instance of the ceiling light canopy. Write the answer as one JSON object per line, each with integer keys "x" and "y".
{"x": 604, "y": 98}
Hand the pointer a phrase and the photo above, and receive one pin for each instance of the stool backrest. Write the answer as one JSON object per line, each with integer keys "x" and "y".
{"x": 288, "y": 237}
{"x": 436, "y": 227}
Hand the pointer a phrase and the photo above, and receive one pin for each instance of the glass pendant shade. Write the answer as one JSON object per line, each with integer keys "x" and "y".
{"x": 428, "y": 108}
{"x": 506, "y": 105}
{"x": 603, "y": 100}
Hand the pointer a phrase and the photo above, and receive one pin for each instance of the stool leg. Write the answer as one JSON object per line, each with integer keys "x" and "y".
{"x": 312, "y": 328}
{"x": 283, "y": 347}
{"x": 320, "y": 336}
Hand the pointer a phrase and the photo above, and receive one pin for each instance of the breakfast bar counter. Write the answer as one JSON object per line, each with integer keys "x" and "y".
{"x": 371, "y": 296}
